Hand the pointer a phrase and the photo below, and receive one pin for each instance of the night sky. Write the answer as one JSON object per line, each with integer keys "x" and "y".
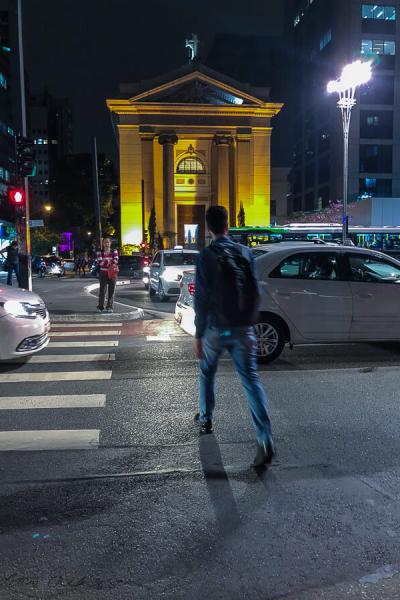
{"x": 82, "y": 49}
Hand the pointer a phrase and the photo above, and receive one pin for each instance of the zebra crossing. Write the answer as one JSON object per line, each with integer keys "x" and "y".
{"x": 35, "y": 400}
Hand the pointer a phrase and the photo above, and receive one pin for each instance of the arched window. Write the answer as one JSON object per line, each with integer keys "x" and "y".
{"x": 190, "y": 164}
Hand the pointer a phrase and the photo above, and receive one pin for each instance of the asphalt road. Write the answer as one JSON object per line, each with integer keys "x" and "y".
{"x": 115, "y": 495}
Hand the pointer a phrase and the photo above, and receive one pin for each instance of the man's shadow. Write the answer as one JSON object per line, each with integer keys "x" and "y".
{"x": 218, "y": 485}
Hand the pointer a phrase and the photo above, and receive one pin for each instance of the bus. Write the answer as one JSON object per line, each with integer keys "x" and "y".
{"x": 383, "y": 239}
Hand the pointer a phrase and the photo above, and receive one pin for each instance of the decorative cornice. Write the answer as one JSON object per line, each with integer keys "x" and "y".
{"x": 125, "y": 107}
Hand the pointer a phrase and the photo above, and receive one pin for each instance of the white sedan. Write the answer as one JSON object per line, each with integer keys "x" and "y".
{"x": 24, "y": 323}
{"x": 323, "y": 294}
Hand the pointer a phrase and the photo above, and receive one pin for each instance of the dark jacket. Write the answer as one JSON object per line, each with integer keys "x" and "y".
{"x": 206, "y": 285}
{"x": 12, "y": 255}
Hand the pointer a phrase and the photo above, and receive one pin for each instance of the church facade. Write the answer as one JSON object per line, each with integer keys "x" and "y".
{"x": 189, "y": 140}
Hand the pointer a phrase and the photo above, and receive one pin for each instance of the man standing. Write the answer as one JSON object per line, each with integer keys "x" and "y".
{"x": 226, "y": 299}
{"x": 12, "y": 261}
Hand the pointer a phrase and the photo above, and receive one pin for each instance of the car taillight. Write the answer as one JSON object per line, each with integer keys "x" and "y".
{"x": 191, "y": 288}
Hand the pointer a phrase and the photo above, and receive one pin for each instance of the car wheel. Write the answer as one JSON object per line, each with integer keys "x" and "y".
{"x": 270, "y": 337}
{"x": 161, "y": 293}
{"x": 152, "y": 292}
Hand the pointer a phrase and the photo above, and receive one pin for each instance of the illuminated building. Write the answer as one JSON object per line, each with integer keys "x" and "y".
{"x": 187, "y": 140}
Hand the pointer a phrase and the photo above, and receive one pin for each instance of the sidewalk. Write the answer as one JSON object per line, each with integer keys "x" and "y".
{"x": 68, "y": 300}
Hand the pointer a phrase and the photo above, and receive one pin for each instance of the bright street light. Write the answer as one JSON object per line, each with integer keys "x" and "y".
{"x": 353, "y": 75}
{"x": 48, "y": 208}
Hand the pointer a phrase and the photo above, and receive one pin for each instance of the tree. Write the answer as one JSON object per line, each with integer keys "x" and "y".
{"x": 241, "y": 217}
{"x": 152, "y": 228}
{"x": 333, "y": 213}
{"x": 42, "y": 240}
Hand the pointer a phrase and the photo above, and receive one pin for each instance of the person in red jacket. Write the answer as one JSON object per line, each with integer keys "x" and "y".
{"x": 108, "y": 264}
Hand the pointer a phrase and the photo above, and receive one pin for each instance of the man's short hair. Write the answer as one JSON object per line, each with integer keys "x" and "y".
{"x": 217, "y": 219}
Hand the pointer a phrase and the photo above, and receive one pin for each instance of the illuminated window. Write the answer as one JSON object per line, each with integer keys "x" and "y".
{"x": 376, "y": 11}
{"x": 191, "y": 164}
{"x": 324, "y": 41}
{"x": 387, "y": 47}
{"x": 3, "y": 81}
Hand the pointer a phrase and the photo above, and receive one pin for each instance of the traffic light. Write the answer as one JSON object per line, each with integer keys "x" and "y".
{"x": 17, "y": 196}
{"x": 26, "y": 166}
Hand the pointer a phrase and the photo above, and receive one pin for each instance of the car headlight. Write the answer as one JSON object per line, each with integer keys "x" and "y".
{"x": 21, "y": 310}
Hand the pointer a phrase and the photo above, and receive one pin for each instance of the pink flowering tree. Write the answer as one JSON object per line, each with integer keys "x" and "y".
{"x": 333, "y": 213}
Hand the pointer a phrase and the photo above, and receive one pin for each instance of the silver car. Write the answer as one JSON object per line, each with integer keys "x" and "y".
{"x": 166, "y": 270}
{"x": 184, "y": 309}
{"x": 24, "y": 323}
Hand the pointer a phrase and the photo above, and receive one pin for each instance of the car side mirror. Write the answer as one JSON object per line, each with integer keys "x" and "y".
{"x": 155, "y": 264}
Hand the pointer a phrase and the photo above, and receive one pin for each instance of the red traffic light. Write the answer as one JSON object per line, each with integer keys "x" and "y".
{"x": 17, "y": 196}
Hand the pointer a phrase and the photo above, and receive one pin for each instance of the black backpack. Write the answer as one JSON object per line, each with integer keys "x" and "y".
{"x": 236, "y": 291}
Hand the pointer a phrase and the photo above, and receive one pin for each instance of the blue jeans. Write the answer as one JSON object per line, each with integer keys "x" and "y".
{"x": 11, "y": 268}
{"x": 241, "y": 344}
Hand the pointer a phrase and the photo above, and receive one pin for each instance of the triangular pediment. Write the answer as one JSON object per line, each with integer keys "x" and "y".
{"x": 196, "y": 88}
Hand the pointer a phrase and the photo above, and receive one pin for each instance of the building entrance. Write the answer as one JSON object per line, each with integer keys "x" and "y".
{"x": 191, "y": 226}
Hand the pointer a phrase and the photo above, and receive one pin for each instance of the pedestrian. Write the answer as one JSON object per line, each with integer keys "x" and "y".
{"x": 226, "y": 302}
{"x": 108, "y": 263}
{"x": 12, "y": 262}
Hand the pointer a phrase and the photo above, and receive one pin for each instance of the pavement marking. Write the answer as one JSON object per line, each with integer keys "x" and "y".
{"x": 158, "y": 338}
{"x": 54, "y": 376}
{"x": 49, "y": 439}
{"x": 84, "y": 333}
{"x": 90, "y": 344}
{"x": 61, "y": 358}
{"x": 62, "y": 401}
{"x": 99, "y": 325}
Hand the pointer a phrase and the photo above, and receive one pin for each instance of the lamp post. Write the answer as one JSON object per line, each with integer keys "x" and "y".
{"x": 353, "y": 75}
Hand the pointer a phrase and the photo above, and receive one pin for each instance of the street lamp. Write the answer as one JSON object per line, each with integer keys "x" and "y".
{"x": 353, "y": 75}
{"x": 48, "y": 208}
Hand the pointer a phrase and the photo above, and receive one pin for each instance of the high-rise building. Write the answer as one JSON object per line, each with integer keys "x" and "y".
{"x": 324, "y": 35}
{"x": 50, "y": 126}
{"x": 7, "y": 139}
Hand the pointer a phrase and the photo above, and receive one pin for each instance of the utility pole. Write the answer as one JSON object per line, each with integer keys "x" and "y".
{"x": 96, "y": 193}
{"x": 23, "y": 229}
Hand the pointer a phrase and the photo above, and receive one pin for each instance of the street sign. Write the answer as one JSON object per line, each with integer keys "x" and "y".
{"x": 37, "y": 223}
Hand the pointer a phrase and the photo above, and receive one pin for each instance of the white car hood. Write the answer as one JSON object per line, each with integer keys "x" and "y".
{"x": 173, "y": 272}
{"x": 7, "y": 292}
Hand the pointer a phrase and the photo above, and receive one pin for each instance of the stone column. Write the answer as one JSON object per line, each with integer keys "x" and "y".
{"x": 148, "y": 175}
{"x": 223, "y": 143}
{"x": 168, "y": 140}
{"x": 244, "y": 173}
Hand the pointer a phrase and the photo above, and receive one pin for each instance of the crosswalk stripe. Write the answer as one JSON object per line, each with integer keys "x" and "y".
{"x": 99, "y": 325}
{"x": 84, "y": 333}
{"x": 90, "y": 344}
{"x": 54, "y": 376}
{"x": 62, "y": 401}
{"x": 61, "y": 358}
{"x": 53, "y": 439}
{"x": 158, "y": 338}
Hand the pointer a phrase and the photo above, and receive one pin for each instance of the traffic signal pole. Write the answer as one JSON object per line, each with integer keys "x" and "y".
{"x": 22, "y": 216}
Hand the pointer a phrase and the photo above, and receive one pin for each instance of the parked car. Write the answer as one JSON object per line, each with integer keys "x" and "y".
{"x": 166, "y": 270}
{"x": 321, "y": 294}
{"x": 24, "y": 323}
{"x": 184, "y": 309}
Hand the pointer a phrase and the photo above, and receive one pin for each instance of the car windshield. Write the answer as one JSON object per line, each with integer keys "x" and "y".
{"x": 178, "y": 259}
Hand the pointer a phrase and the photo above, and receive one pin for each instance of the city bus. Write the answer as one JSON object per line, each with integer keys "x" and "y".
{"x": 384, "y": 239}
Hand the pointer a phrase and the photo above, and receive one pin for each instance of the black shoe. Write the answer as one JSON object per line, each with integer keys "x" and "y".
{"x": 265, "y": 454}
{"x": 205, "y": 426}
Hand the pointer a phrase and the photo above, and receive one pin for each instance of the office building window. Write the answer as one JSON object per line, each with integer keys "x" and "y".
{"x": 309, "y": 201}
{"x": 3, "y": 81}
{"x": 376, "y": 11}
{"x": 376, "y": 124}
{"x": 380, "y": 90}
{"x": 375, "y": 158}
{"x": 324, "y": 171}
{"x": 326, "y": 38}
{"x": 371, "y": 187}
{"x": 387, "y": 47}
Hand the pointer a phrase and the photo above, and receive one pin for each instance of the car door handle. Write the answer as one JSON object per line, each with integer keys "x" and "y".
{"x": 365, "y": 295}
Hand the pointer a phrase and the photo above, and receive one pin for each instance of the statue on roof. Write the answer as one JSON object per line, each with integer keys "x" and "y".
{"x": 193, "y": 44}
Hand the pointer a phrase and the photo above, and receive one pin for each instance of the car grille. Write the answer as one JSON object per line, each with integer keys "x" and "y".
{"x": 39, "y": 310}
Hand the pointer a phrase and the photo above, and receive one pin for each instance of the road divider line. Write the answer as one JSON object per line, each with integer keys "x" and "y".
{"x": 49, "y": 439}
{"x": 54, "y": 376}
{"x": 84, "y": 333}
{"x": 98, "y": 325}
{"x": 90, "y": 344}
{"x": 68, "y": 358}
{"x": 61, "y": 401}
